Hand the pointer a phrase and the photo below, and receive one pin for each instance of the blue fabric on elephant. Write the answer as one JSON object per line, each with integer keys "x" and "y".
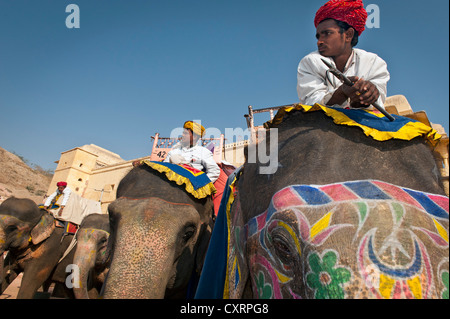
{"x": 372, "y": 122}
{"x": 212, "y": 279}
{"x": 195, "y": 181}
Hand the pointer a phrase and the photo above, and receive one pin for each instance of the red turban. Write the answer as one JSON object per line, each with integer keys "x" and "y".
{"x": 349, "y": 11}
{"x": 61, "y": 184}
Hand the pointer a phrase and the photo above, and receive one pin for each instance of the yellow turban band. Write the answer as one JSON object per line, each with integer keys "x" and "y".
{"x": 196, "y": 128}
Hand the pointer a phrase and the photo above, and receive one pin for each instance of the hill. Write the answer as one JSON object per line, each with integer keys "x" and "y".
{"x": 20, "y": 180}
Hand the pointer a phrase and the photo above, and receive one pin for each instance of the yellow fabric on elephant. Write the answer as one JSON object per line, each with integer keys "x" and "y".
{"x": 184, "y": 176}
{"x": 372, "y": 122}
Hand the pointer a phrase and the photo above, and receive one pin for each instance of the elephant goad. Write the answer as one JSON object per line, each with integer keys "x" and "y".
{"x": 159, "y": 235}
{"x": 343, "y": 216}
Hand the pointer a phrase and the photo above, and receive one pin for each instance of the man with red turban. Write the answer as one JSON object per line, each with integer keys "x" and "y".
{"x": 339, "y": 23}
{"x": 61, "y": 190}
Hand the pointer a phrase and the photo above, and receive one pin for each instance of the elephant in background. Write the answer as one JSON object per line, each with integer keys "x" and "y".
{"x": 159, "y": 236}
{"x": 35, "y": 245}
{"x": 90, "y": 255}
{"x": 344, "y": 216}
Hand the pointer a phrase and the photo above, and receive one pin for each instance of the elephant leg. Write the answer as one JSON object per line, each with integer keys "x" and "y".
{"x": 10, "y": 272}
{"x": 46, "y": 285}
{"x": 61, "y": 291}
{"x": 94, "y": 293}
{"x": 7, "y": 280}
{"x": 41, "y": 265}
{"x": 34, "y": 277}
{"x": 36, "y": 273}
{"x": 8, "y": 277}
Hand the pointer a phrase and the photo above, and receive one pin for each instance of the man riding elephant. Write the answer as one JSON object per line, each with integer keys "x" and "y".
{"x": 62, "y": 190}
{"x": 199, "y": 157}
{"x": 69, "y": 208}
{"x": 188, "y": 152}
{"x": 339, "y": 23}
{"x": 345, "y": 214}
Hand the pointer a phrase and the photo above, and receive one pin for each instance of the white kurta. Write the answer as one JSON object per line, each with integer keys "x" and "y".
{"x": 315, "y": 84}
{"x": 198, "y": 157}
{"x": 66, "y": 195}
{"x": 76, "y": 209}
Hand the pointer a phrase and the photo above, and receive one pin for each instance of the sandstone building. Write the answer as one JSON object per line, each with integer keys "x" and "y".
{"x": 94, "y": 172}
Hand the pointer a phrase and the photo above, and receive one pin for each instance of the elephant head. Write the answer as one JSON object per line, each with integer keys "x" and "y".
{"x": 22, "y": 223}
{"x": 159, "y": 236}
{"x": 361, "y": 239}
{"x": 343, "y": 216}
{"x": 90, "y": 255}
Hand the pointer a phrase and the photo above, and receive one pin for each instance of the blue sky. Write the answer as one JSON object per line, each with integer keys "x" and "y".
{"x": 137, "y": 67}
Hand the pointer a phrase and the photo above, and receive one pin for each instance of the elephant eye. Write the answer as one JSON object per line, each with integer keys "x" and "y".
{"x": 281, "y": 246}
{"x": 188, "y": 233}
{"x": 10, "y": 229}
{"x": 282, "y": 249}
{"x": 102, "y": 241}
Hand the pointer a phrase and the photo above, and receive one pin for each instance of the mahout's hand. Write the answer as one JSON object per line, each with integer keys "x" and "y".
{"x": 363, "y": 93}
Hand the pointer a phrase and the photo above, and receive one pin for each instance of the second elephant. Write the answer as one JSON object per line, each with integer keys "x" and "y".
{"x": 160, "y": 234}
{"x": 90, "y": 256}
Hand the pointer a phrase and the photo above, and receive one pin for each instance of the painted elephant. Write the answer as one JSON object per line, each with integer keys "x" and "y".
{"x": 343, "y": 216}
{"x": 159, "y": 236}
{"x": 35, "y": 245}
{"x": 90, "y": 255}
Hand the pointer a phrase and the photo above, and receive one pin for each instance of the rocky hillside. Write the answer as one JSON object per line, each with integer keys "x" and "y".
{"x": 20, "y": 180}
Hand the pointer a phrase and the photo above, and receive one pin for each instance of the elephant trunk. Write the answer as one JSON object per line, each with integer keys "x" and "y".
{"x": 84, "y": 258}
{"x": 142, "y": 258}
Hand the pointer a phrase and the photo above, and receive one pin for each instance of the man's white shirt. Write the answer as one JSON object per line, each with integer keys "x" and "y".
{"x": 315, "y": 84}
{"x": 198, "y": 157}
{"x": 66, "y": 194}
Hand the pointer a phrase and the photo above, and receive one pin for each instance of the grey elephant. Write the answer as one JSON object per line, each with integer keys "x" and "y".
{"x": 35, "y": 247}
{"x": 343, "y": 216}
{"x": 159, "y": 236}
{"x": 90, "y": 256}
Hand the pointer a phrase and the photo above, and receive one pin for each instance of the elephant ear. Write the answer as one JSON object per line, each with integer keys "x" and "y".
{"x": 43, "y": 229}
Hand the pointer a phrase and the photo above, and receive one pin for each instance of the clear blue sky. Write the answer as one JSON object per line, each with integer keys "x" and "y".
{"x": 137, "y": 67}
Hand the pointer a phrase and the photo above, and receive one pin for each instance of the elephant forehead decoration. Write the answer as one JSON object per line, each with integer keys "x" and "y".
{"x": 362, "y": 239}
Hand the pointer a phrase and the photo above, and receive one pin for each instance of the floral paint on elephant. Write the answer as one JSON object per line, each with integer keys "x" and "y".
{"x": 362, "y": 239}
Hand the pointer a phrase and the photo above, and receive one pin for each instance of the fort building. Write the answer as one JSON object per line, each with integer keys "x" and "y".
{"x": 94, "y": 172}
